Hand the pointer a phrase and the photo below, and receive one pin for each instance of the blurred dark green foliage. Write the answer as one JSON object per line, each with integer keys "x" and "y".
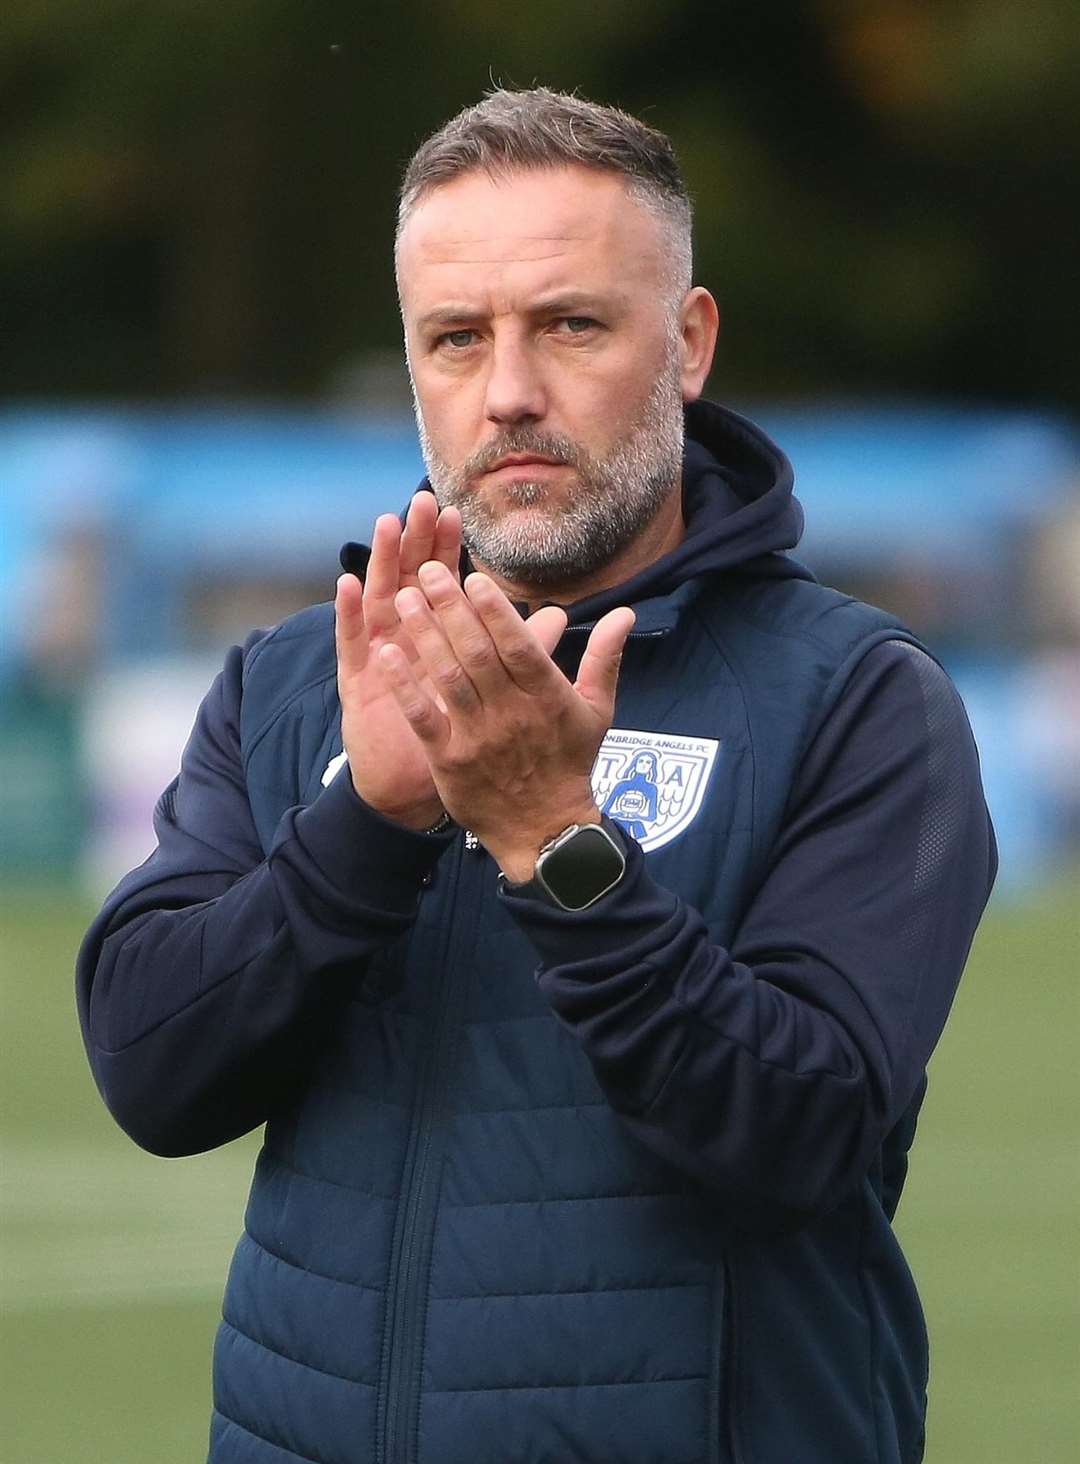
{"x": 198, "y": 195}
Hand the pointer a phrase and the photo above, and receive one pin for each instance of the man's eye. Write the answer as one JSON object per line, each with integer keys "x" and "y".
{"x": 458, "y": 339}
{"x": 578, "y": 324}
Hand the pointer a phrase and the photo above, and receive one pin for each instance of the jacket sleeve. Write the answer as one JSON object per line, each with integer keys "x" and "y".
{"x": 773, "y": 1070}
{"x": 206, "y": 980}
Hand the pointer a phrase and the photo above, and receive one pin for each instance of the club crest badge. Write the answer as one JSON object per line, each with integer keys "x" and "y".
{"x": 652, "y": 784}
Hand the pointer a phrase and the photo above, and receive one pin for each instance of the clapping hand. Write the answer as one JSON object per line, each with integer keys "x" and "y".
{"x": 508, "y": 740}
{"x": 389, "y": 767}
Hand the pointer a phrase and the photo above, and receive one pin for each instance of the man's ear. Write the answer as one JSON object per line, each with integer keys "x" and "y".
{"x": 699, "y": 326}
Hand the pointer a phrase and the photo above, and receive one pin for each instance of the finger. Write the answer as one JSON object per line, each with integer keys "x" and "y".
{"x": 465, "y": 632}
{"x": 521, "y": 651}
{"x": 598, "y": 673}
{"x": 350, "y": 632}
{"x": 447, "y": 546}
{"x": 418, "y": 537}
{"x": 417, "y": 707}
{"x": 548, "y": 624}
{"x": 437, "y": 656}
{"x": 383, "y": 574}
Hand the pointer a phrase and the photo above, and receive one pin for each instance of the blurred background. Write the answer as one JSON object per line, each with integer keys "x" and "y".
{"x": 202, "y": 395}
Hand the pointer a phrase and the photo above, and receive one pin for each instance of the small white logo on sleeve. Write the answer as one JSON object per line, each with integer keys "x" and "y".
{"x": 652, "y": 784}
{"x": 332, "y": 768}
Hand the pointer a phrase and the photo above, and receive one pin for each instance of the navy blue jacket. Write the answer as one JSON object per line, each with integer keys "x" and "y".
{"x": 613, "y": 1186}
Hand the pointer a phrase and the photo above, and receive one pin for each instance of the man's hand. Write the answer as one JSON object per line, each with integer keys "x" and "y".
{"x": 510, "y": 743}
{"x": 389, "y": 767}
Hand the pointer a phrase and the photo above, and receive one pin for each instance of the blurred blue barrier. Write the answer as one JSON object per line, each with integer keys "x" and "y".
{"x": 956, "y": 483}
{"x": 184, "y": 508}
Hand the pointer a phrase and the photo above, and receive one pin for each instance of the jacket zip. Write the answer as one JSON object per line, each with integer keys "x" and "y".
{"x": 726, "y": 1421}
{"x": 634, "y": 634}
{"x": 406, "y": 1301}
{"x": 400, "y": 1379}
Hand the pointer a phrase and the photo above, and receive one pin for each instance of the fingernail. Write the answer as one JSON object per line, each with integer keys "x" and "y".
{"x": 431, "y": 571}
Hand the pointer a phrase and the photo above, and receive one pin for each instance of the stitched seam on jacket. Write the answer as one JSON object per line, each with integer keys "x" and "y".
{"x": 577, "y": 1387}
{"x": 280, "y": 711}
{"x": 833, "y": 691}
{"x": 737, "y": 673}
{"x": 872, "y": 1359}
{"x": 278, "y": 938}
{"x": 804, "y": 636}
{"x": 537, "y": 1108}
{"x": 266, "y": 1439}
{"x": 706, "y": 1020}
{"x": 481, "y": 1112}
{"x": 378, "y": 1102}
{"x": 588, "y": 1291}
{"x": 507, "y": 1021}
{"x": 309, "y": 1270}
{"x": 333, "y": 1183}
{"x": 278, "y": 634}
{"x": 288, "y": 1357}
{"x": 560, "y": 1200}
{"x": 286, "y": 630}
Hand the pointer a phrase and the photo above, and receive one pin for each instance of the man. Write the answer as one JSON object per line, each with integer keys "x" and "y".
{"x": 583, "y": 1133}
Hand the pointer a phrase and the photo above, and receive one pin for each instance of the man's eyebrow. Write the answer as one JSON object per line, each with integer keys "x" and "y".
{"x": 447, "y": 315}
{"x": 571, "y": 302}
{"x": 576, "y": 302}
{"x": 581, "y": 302}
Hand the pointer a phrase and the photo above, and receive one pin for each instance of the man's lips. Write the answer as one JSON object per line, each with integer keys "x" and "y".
{"x": 523, "y": 460}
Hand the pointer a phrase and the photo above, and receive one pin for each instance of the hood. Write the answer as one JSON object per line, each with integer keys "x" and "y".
{"x": 740, "y": 512}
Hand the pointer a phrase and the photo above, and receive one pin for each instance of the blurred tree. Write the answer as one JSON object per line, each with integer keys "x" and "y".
{"x": 199, "y": 196}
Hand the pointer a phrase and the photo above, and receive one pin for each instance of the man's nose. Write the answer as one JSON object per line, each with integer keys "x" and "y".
{"x": 515, "y": 389}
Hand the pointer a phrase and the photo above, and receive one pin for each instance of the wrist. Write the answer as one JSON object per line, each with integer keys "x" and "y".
{"x": 577, "y": 868}
{"x": 517, "y": 857}
{"x": 517, "y": 864}
{"x": 432, "y": 818}
{"x": 419, "y": 817}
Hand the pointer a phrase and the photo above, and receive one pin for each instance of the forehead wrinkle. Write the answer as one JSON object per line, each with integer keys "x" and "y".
{"x": 496, "y": 259}
{"x": 537, "y": 238}
{"x": 582, "y": 238}
{"x": 495, "y": 247}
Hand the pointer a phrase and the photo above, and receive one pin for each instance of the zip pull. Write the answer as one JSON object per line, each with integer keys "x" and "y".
{"x": 588, "y": 626}
{"x": 472, "y": 843}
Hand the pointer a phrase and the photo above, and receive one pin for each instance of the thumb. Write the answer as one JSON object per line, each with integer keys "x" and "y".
{"x": 547, "y": 625}
{"x": 598, "y": 673}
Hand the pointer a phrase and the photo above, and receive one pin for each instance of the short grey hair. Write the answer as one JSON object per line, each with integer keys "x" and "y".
{"x": 511, "y": 131}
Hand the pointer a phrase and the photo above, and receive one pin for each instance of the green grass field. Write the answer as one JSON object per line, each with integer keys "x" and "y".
{"x": 113, "y": 1261}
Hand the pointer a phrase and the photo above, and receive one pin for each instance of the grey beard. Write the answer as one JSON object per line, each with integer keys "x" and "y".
{"x": 573, "y": 534}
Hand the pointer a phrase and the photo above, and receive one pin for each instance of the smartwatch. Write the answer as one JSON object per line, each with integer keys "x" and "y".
{"x": 576, "y": 868}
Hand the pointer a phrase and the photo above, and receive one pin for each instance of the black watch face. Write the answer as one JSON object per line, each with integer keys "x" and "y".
{"x": 584, "y": 868}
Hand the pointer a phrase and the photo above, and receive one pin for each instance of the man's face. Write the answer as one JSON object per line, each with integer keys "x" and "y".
{"x": 544, "y": 352}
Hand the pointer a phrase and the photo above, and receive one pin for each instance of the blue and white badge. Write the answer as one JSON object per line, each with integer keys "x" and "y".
{"x": 652, "y": 784}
